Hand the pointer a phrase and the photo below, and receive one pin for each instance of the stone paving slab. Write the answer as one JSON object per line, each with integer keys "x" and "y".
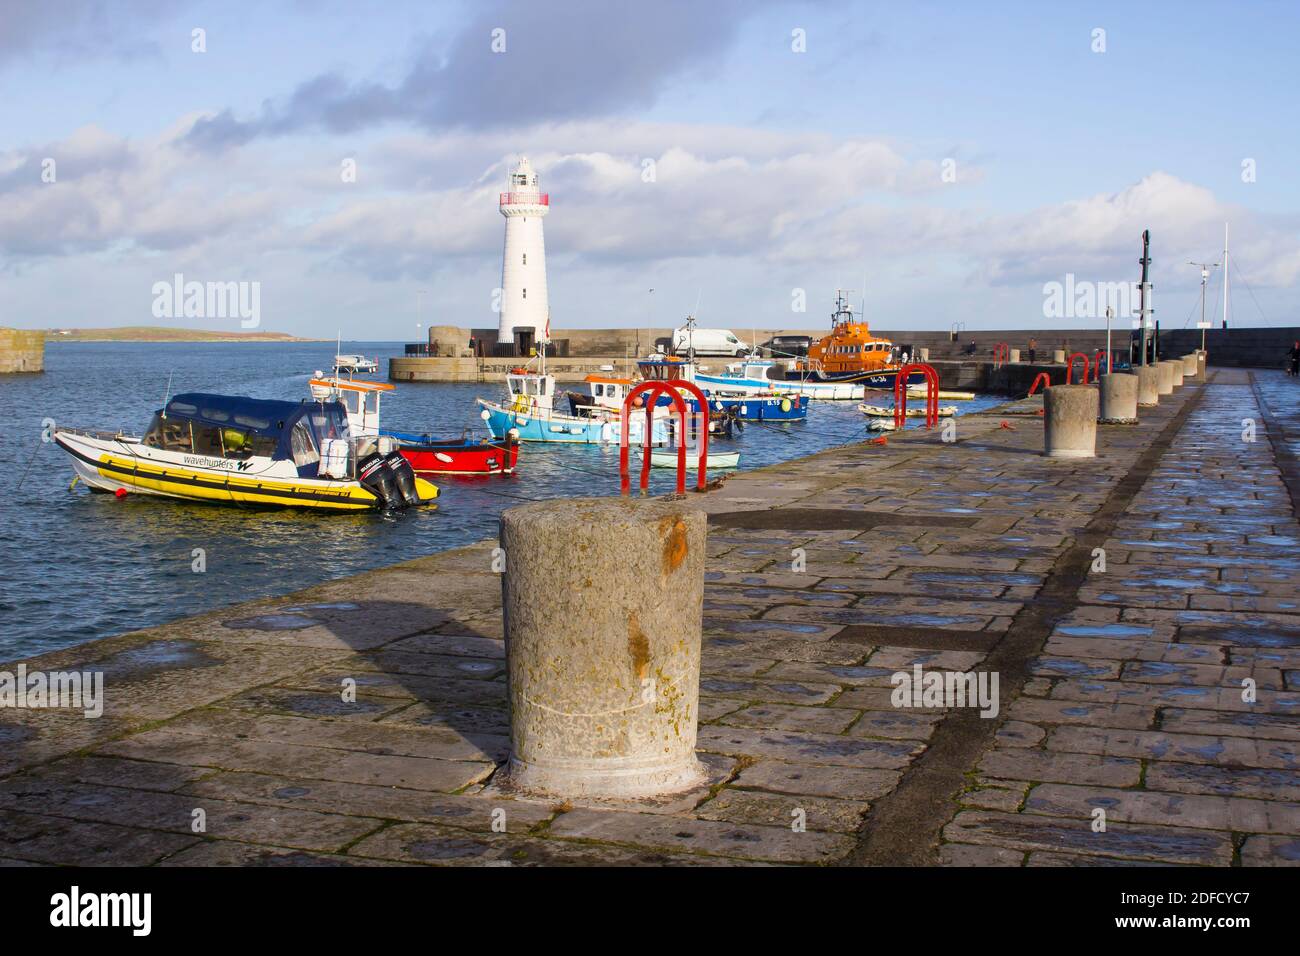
{"x": 362, "y": 722}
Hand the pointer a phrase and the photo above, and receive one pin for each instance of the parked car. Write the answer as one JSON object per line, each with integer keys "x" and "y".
{"x": 787, "y": 346}
{"x": 708, "y": 342}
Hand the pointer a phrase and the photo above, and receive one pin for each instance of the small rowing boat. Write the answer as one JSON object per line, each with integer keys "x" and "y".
{"x": 944, "y": 396}
{"x": 668, "y": 459}
{"x": 880, "y": 411}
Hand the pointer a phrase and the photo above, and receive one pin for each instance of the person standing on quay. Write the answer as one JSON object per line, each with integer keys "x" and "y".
{"x": 1295, "y": 359}
{"x": 1033, "y": 346}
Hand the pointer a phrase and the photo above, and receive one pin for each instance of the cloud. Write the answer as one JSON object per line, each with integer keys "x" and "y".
{"x": 560, "y": 62}
{"x": 630, "y": 198}
{"x": 1100, "y": 236}
{"x": 77, "y": 30}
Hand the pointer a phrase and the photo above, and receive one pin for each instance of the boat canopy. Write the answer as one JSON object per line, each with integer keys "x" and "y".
{"x": 211, "y": 424}
{"x": 262, "y": 416}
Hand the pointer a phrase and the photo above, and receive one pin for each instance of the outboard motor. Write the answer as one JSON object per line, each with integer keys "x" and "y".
{"x": 403, "y": 477}
{"x": 376, "y": 476}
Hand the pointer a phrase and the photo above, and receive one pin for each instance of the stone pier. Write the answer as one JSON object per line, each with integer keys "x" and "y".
{"x": 1139, "y": 611}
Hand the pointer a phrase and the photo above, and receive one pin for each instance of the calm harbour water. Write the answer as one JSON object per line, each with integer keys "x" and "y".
{"x": 76, "y": 566}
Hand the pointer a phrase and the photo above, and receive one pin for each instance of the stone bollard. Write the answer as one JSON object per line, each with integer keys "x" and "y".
{"x": 923, "y": 355}
{"x": 1015, "y": 355}
{"x": 1119, "y": 398}
{"x": 1176, "y": 372}
{"x": 1202, "y": 357}
{"x": 1166, "y": 378}
{"x": 1148, "y": 385}
{"x": 1189, "y": 366}
{"x": 1070, "y": 421}
{"x": 1058, "y": 356}
{"x": 603, "y": 601}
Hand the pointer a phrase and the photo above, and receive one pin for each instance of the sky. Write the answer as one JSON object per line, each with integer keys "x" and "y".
{"x": 946, "y": 161}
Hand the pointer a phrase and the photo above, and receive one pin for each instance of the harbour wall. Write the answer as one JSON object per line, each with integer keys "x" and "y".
{"x": 1241, "y": 346}
{"x": 22, "y": 350}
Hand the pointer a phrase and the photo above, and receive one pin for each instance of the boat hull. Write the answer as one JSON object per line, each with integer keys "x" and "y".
{"x": 762, "y": 408}
{"x": 481, "y": 457}
{"x": 122, "y": 464}
{"x": 567, "y": 429}
{"x": 668, "y": 459}
{"x": 838, "y": 388}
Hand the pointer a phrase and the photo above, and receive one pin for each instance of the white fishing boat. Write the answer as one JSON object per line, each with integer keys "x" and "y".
{"x": 352, "y": 364}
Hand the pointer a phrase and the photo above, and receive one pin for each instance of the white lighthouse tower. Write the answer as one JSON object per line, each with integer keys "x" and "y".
{"x": 524, "y": 315}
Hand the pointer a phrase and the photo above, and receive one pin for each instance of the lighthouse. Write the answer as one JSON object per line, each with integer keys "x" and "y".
{"x": 524, "y": 316}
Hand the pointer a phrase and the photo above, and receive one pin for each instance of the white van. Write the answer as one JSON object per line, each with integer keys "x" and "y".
{"x": 708, "y": 342}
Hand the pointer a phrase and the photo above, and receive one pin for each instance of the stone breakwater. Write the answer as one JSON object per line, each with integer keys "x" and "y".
{"x": 22, "y": 350}
{"x": 1140, "y": 609}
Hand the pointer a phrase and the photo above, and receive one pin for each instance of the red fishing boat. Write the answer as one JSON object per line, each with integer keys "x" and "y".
{"x": 464, "y": 456}
{"x": 427, "y": 455}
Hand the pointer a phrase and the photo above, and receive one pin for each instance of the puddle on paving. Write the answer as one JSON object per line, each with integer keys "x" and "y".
{"x": 155, "y": 656}
{"x": 271, "y": 622}
{"x": 1103, "y": 630}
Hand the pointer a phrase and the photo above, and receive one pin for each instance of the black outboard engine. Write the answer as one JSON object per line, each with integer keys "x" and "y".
{"x": 404, "y": 477}
{"x": 390, "y": 478}
{"x": 376, "y": 475}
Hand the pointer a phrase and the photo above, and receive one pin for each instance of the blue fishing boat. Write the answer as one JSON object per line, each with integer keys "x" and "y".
{"x": 528, "y": 414}
{"x": 760, "y": 408}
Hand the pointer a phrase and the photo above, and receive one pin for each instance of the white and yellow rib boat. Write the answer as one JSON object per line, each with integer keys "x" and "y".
{"x": 234, "y": 450}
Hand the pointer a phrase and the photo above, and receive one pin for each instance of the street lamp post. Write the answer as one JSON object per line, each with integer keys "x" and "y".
{"x": 1205, "y": 268}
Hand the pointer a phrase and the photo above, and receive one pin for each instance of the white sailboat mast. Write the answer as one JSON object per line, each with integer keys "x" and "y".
{"x": 1225, "y": 275}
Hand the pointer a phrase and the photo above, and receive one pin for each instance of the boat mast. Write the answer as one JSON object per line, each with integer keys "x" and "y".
{"x": 1225, "y": 276}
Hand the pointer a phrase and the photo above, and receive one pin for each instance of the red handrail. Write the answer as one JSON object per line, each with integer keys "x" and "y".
{"x": 679, "y": 406}
{"x": 1069, "y": 367}
{"x": 931, "y": 395}
{"x": 1001, "y": 354}
{"x": 1046, "y": 381}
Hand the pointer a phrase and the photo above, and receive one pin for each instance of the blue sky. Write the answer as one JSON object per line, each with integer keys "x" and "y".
{"x": 775, "y": 170}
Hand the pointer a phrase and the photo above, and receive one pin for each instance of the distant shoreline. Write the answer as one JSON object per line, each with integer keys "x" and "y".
{"x": 154, "y": 334}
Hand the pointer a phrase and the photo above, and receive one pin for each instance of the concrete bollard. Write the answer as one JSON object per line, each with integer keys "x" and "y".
{"x": 603, "y": 601}
{"x": 1148, "y": 385}
{"x": 1176, "y": 372}
{"x": 1070, "y": 421}
{"x": 923, "y": 355}
{"x": 1166, "y": 378}
{"x": 1119, "y": 398}
{"x": 1189, "y": 366}
{"x": 1202, "y": 357}
{"x": 1015, "y": 355}
{"x": 1058, "y": 356}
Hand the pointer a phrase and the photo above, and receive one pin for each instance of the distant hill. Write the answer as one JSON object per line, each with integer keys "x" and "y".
{"x": 154, "y": 333}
